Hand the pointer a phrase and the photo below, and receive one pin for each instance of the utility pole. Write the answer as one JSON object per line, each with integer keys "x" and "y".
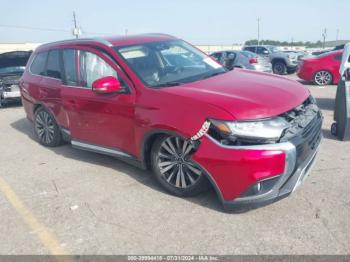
{"x": 258, "y": 30}
{"x": 324, "y": 36}
{"x": 337, "y": 35}
{"x": 76, "y": 30}
{"x": 256, "y": 48}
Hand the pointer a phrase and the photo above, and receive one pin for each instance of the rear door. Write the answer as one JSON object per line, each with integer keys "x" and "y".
{"x": 100, "y": 119}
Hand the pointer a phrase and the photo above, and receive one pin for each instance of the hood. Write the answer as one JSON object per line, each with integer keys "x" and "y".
{"x": 246, "y": 94}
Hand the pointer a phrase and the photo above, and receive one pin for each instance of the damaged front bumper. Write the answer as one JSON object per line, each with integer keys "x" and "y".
{"x": 249, "y": 176}
{"x": 236, "y": 170}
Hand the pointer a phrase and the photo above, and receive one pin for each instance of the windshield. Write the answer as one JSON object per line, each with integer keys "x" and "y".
{"x": 273, "y": 49}
{"x": 12, "y": 69}
{"x": 168, "y": 63}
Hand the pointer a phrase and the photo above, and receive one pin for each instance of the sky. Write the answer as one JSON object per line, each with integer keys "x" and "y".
{"x": 197, "y": 21}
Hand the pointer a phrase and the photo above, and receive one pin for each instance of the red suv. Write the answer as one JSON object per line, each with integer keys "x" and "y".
{"x": 159, "y": 103}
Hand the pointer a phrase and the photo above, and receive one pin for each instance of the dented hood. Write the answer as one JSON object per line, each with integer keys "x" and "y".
{"x": 246, "y": 94}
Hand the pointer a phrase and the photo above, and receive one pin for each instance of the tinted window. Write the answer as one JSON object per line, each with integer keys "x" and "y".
{"x": 69, "y": 63}
{"x": 217, "y": 56}
{"x": 38, "y": 65}
{"x": 262, "y": 50}
{"x": 93, "y": 67}
{"x": 250, "y": 48}
{"x": 338, "y": 57}
{"x": 53, "y": 64}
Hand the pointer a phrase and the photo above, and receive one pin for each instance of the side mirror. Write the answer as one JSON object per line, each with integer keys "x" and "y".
{"x": 265, "y": 52}
{"x": 107, "y": 85}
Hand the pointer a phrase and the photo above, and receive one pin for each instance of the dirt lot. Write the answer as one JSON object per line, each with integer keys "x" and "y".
{"x": 63, "y": 200}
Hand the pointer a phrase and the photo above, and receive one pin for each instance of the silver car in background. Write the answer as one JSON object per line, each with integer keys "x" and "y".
{"x": 242, "y": 59}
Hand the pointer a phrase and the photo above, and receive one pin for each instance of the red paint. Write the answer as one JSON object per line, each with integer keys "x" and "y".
{"x": 310, "y": 66}
{"x": 123, "y": 120}
{"x": 235, "y": 170}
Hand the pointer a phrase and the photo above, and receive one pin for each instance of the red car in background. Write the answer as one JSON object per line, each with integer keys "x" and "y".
{"x": 159, "y": 103}
{"x": 322, "y": 69}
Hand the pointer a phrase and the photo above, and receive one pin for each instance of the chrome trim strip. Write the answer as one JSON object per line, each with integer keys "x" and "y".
{"x": 100, "y": 149}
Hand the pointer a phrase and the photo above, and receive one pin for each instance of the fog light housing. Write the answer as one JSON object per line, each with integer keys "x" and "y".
{"x": 261, "y": 187}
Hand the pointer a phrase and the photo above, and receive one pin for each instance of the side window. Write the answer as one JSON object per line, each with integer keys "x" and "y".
{"x": 93, "y": 67}
{"x": 217, "y": 56}
{"x": 53, "y": 64}
{"x": 261, "y": 50}
{"x": 338, "y": 57}
{"x": 250, "y": 48}
{"x": 70, "y": 67}
{"x": 38, "y": 65}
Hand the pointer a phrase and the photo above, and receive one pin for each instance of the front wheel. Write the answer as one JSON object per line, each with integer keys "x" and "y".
{"x": 46, "y": 128}
{"x": 279, "y": 68}
{"x": 174, "y": 169}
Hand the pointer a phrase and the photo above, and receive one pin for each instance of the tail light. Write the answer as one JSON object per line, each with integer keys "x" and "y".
{"x": 253, "y": 61}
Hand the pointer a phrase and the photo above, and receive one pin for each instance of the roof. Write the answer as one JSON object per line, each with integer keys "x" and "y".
{"x": 112, "y": 40}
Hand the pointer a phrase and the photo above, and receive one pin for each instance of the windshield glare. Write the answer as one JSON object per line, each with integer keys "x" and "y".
{"x": 168, "y": 63}
{"x": 12, "y": 69}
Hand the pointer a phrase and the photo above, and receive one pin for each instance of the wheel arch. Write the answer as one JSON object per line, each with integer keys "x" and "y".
{"x": 148, "y": 141}
{"x": 278, "y": 59}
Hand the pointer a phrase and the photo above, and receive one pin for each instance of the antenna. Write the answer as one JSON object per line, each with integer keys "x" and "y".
{"x": 76, "y": 30}
{"x": 324, "y": 35}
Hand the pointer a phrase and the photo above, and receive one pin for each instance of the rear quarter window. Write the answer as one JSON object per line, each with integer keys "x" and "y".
{"x": 38, "y": 65}
{"x": 53, "y": 64}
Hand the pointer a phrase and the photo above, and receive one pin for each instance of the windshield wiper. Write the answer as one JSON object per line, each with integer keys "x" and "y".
{"x": 212, "y": 74}
{"x": 168, "y": 84}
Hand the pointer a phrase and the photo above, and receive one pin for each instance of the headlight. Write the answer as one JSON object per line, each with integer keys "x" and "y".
{"x": 270, "y": 129}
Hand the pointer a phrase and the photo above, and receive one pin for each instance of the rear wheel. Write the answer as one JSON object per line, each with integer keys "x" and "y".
{"x": 46, "y": 128}
{"x": 174, "y": 169}
{"x": 279, "y": 68}
{"x": 2, "y": 102}
{"x": 323, "y": 78}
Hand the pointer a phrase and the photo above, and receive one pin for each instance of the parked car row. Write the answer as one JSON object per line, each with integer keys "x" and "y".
{"x": 264, "y": 58}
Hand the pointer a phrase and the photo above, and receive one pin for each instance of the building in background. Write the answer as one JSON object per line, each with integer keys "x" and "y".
{"x": 9, "y": 47}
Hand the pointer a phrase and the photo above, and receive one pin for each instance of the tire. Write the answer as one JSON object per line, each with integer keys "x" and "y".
{"x": 279, "y": 68}
{"x": 173, "y": 168}
{"x": 323, "y": 78}
{"x": 2, "y": 102}
{"x": 334, "y": 129}
{"x": 46, "y": 129}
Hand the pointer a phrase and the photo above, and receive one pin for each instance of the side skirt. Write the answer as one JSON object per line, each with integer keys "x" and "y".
{"x": 120, "y": 155}
{"x": 107, "y": 151}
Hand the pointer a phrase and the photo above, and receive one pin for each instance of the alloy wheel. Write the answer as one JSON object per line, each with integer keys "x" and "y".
{"x": 323, "y": 78}
{"x": 45, "y": 127}
{"x": 175, "y": 164}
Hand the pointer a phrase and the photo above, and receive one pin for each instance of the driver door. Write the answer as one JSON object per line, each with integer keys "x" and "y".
{"x": 105, "y": 120}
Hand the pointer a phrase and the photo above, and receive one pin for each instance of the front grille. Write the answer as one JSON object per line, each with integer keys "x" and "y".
{"x": 305, "y": 129}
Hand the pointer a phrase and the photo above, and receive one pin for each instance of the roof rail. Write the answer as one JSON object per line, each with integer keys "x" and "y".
{"x": 100, "y": 40}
